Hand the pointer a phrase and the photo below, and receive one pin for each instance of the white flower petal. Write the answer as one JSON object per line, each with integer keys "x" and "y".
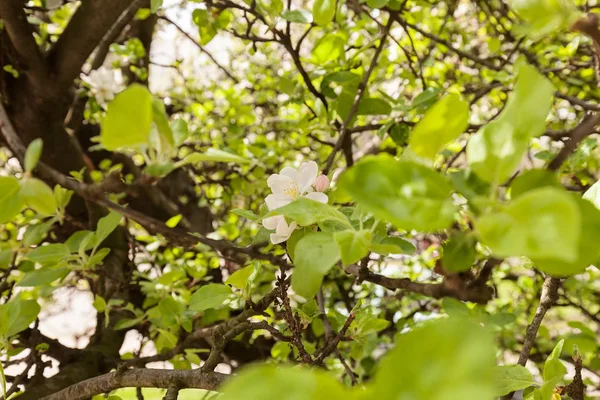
{"x": 306, "y": 175}
{"x": 278, "y": 200}
{"x": 318, "y": 196}
{"x": 276, "y": 239}
{"x": 279, "y": 183}
{"x": 272, "y": 222}
{"x": 290, "y": 172}
{"x": 284, "y": 229}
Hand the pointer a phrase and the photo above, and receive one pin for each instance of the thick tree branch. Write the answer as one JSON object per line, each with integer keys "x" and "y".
{"x": 21, "y": 36}
{"x": 477, "y": 292}
{"x": 151, "y": 378}
{"x": 89, "y": 24}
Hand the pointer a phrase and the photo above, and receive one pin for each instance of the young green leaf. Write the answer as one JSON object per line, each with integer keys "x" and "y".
{"x": 240, "y": 278}
{"x": 11, "y": 201}
{"x": 16, "y": 315}
{"x": 393, "y": 245}
{"x": 323, "y": 11}
{"x": 50, "y": 254}
{"x": 553, "y": 367}
{"x": 459, "y": 253}
{"x": 128, "y": 119}
{"x": 106, "y": 225}
{"x": 408, "y": 195}
{"x": 510, "y": 378}
{"x": 208, "y": 296}
{"x": 308, "y": 212}
{"x": 543, "y": 17}
{"x": 315, "y": 255}
{"x": 284, "y": 383}
{"x": 38, "y": 196}
{"x": 43, "y": 276}
{"x": 213, "y": 155}
{"x": 354, "y": 245}
{"x": 540, "y": 224}
{"x": 443, "y": 123}
{"x": 33, "y": 154}
{"x": 246, "y": 214}
{"x": 496, "y": 150}
{"x": 461, "y": 364}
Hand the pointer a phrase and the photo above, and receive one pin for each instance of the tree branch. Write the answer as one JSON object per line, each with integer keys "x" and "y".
{"x": 344, "y": 132}
{"x": 91, "y": 22}
{"x": 151, "y": 378}
{"x": 21, "y": 36}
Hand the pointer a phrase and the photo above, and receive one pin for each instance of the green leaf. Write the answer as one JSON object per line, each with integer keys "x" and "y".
{"x": 291, "y": 243}
{"x": 377, "y": 3}
{"x": 496, "y": 150}
{"x": 240, "y": 278}
{"x": 510, "y": 378}
{"x": 79, "y": 239}
{"x": 11, "y": 201}
{"x": 459, "y": 366}
{"x": 533, "y": 179}
{"x": 16, "y": 315}
{"x": 540, "y": 224}
{"x": 260, "y": 382}
{"x": 155, "y": 5}
{"x": 323, "y": 11}
{"x": 33, "y": 154}
{"x": 212, "y": 155}
{"x": 180, "y": 131}
{"x": 106, "y": 225}
{"x": 373, "y": 106}
{"x": 544, "y": 17}
{"x": 393, "y": 245}
{"x": 99, "y": 303}
{"x": 588, "y": 251}
{"x": 308, "y": 212}
{"x": 246, "y": 214}
{"x": 553, "y": 367}
{"x": 442, "y": 124}
{"x": 353, "y": 245}
{"x": 315, "y": 255}
{"x": 6, "y": 257}
{"x": 329, "y": 48}
{"x": 161, "y": 121}
{"x": 36, "y": 233}
{"x": 128, "y": 119}
{"x": 49, "y": 255}
{"x": 459, "y": 253}
{"x": 97, "y": 257}
{"x": 38, "y": 196}
{"x": 43, "y": 276}
{"x": 208, "y": 296}
{"x": 300, "y": 16}
{"x": 408, "y": 195}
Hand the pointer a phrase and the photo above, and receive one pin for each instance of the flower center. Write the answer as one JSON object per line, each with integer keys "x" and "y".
{"x": 292, "y": 190}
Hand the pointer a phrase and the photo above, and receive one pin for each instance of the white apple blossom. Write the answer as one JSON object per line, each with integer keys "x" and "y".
{"x": 291, "y": 183}
{"x": 283, "y": 231}
{"x": 287, "y": 186}
{"x": 104, "y": 83}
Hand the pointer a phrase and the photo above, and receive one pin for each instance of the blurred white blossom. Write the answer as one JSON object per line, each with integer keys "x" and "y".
{"x": 287, "y": 186}
{"x": 104, "y": 83}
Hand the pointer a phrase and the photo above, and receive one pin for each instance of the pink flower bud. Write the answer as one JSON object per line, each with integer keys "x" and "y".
{"x": 321, "y": 183}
